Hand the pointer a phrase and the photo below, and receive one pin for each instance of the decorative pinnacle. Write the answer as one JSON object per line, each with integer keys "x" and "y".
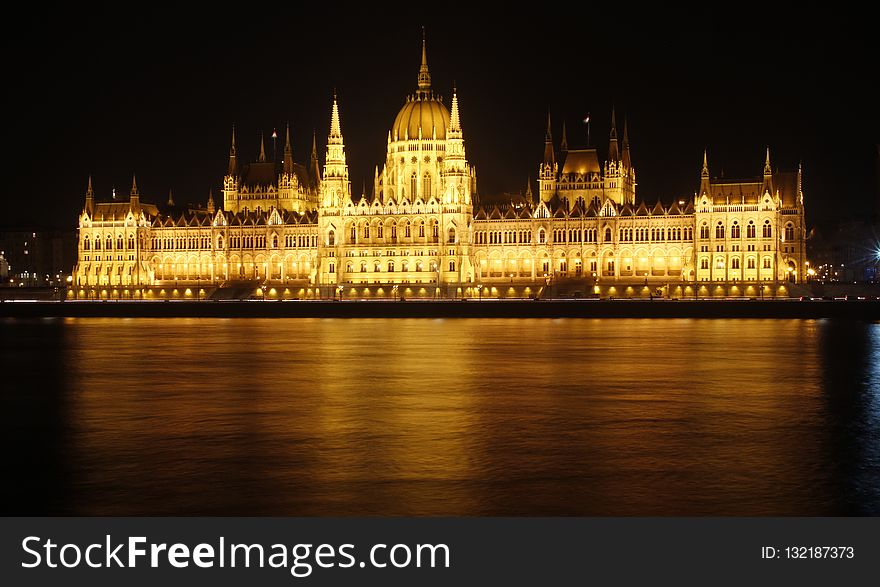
{"x": 287, "y": 147}
{"x": 705, "y": 171}
{"x": 134, "y": 185}
{"x": 767, "y": 170}
{"x": 424, "y": 74}
{"x": 335, "y": 127}
{"x": 454, "y": 121}
{"x": 262, "y": 149}
{"x": 89, "y": 192}
{"x": 232, "y": 148}
{"x": 549, "y": 136}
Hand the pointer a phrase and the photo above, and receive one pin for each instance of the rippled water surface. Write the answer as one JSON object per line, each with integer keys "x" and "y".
{"x": 441, "y": 417}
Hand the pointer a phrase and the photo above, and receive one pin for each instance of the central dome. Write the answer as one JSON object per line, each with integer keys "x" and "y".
{"x": 425, "y": 112}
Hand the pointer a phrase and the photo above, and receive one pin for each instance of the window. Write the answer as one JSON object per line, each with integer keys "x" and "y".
{"x": 435, "y": 230}
{"x": 426, "y": 187}
{"x": 394, "y": 230}
{"x": 109, "y": 243}
{"x": 407, "y": 231}
{"x": 719, "y": 230}
{"x": 768, "y": 231}
{"x": 367, "y": 231}
{"x": 275, "y": 241}
{"x": 220, "y": 242}
{"x": 422, "y": 230}
{"x": 331, "y": 239}
{"x": 704, "y": 231}
{"x": 379, "y": 231}
{"x": 607, "y": 235}
{"x": 542, "y": 237}
{"x": 413, "y": 185}
{"x": 734, "y": 230}
{"x": 766, "y": 262}
{"x": 452, "y": 265}
{"x": 363, "y": 266}
{"x": 734, "y": 263}
{"x": 86, "y": 245}
{"x": 332, "y": 268}
{"x": 349, "y": 268}
{"x": 451, "y": 235}
{"x": 789, "y": 232}
{"x": 418, "y": 265}
{"x": 353, "y": 234}
{"x": 750, "y": 229}
{"x": 391, "y": 264}
{"x": 376, "y": 267}
{"x": 704, "y": 263}
{"x": 750, "y": 263}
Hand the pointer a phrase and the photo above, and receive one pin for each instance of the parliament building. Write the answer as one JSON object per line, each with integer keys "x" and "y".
{"x": 286, "y": 230}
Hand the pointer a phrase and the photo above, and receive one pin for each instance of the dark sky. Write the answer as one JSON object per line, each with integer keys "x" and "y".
{"x": 155, "y": 89}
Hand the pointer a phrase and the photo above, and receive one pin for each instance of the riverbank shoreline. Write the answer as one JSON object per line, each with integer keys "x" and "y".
{"x": 660, "y": 308}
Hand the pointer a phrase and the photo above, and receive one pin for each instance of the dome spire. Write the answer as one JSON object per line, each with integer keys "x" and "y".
{"x": 424, "y": 74}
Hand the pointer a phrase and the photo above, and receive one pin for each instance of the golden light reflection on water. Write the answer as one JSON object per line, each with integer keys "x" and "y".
{"x": 449, "y": 417}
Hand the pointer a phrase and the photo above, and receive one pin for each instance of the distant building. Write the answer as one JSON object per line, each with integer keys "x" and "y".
{"x": 296, "y": 230}
{"x": 37, "y": 257}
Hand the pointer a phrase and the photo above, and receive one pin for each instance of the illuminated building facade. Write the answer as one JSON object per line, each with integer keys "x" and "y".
{"x": 287, "y": 230}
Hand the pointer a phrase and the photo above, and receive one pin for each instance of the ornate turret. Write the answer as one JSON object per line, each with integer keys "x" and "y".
{"x": 335, "y": 184}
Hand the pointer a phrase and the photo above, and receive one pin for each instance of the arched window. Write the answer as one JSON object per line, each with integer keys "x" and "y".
{"x": 275, "y": 241}
{"x": 109, "y": 243}
{"x": 734, "y": 263}
{"x": 413, "y": 185}
{"x": 86, "y": 245}
{"x": 404, "y": 265}
{"x": 451, "y": 235}
{"x": 349, "y": 268}
{"x": 435, "y": 230}
{"x": 452, "y": 265}
{"x": 220, "y": 242}
{"x": 380, "y": 229}
{"x": 542, "y": 236}
{"x": 607, "y": 235}
{"x": 363, "y": 266}
{"x": 766, "y": 262}
{"x": 421, "y": 230}
{"x": 704, "y": 263}
{"x": 750, "y": 263}
{"x": 376, "y": 267}
{"x": 394, "y": 230}
{"x": 734, "y": 231}
{"x": 704, "y": 231}
{"x": 390, "y": 266}
{"x": 407, "y": 230}
{"x": 768, "y": 231}
{"x": 719, "y": 230}
{"x": 331, "y": 239}
{"x": 750, "y": 229}
{"x": 418, "y": 265}
{"x": 789, "y": 232}
{"x": 367, "y": 231}
{"x": 353, "y": 233}
{"x": 426, "y": 187}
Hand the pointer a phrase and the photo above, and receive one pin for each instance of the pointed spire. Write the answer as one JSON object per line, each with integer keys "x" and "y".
{"x": 134, "y": 185}
{"x": 549, "y": 155}
{"x": 424, "y": 74}
{"x": 705, "y": 182}
{"x": 170, "y": 201}
{"x": 135, "y": 199}
{"x": 767, "y": 170}
{"x": 455, "y": 122}
{"x": 564, "y": 146}
{"x": 627, "y": 160}
{"x": 613, "y": 152}
{"x": 90, "y": 197}
{"x": 210, "y": 201}
{"x": 262, "y": 158}
{"x": 529, "y": 195}
{"x": 705, "y": 171}
{"x": 335, "y": 127}
{"x": 314, "y": 167}
{"x": 288, "y": 152}
{"x": 232, "y": 169}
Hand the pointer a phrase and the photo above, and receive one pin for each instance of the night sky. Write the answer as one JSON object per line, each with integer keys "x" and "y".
{"x": 155, "y": 90}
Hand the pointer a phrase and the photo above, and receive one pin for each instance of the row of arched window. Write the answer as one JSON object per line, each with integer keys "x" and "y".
{"x": 735, "y": 263}
{"x": 751, "y": 230}
{"x": 656, "y": 234}
{"x": 108, "y": 243}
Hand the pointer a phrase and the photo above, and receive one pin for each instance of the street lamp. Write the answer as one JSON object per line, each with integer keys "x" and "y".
{"x": 339, "y": 289}
{"x": 480, "y": 291}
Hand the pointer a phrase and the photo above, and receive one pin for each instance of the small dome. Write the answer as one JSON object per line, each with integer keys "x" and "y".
{"x": 423, "y": 111}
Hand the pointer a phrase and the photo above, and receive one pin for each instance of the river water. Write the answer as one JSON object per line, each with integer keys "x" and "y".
{"x": 440, "y": 417}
